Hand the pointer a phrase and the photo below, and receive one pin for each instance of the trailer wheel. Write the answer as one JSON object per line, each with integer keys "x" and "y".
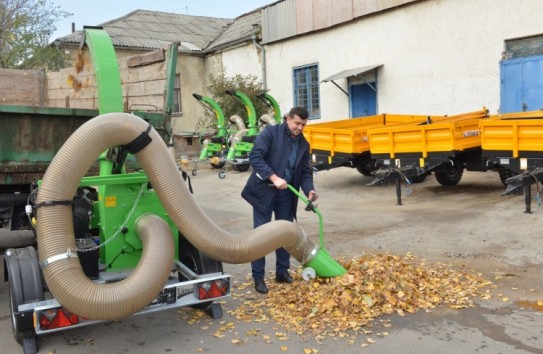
{"x": 242, "y": 167}
{"x": 449, "y": 175}
{"x": 366, "y": 166}
{"x": 25, "y": 285}
{"x": 198, "y": 262}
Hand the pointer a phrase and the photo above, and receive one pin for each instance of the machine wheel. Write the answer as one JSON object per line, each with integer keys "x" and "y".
{"x": 25, "y": 285}
{"x": 308, "y": 274}
{"x": 242, "y": 167}
{"x": 366, "y": 166}
{"x": 198, "y": 262}
{"x": 449, "y": 175}
{"x": 222, "y": 174}
{"x": 217, "y": 165}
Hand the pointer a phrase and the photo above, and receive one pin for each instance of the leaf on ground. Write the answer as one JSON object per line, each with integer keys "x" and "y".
{"x": 374, "y": 286}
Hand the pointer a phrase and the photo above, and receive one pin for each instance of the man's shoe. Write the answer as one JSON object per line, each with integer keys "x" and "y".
{"x": 283, "y": 278}
{"x": 260, "y": 286}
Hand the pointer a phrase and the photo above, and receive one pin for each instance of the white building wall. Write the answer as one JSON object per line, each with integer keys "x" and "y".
{"x": 438, "y": 56}
{"x": 244, "y": 60}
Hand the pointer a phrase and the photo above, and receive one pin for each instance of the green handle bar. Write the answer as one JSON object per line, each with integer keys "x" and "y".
{"x": 311, "y": 207}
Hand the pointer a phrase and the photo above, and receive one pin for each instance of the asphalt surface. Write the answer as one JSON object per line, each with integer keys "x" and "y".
{"x": 470, "y": 225}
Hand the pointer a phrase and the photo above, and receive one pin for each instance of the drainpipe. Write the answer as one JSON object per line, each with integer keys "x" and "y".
{"x": 258, "y": 46}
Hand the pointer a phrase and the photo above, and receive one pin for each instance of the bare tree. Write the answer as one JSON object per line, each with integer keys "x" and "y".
{"x": 25, "y": 29}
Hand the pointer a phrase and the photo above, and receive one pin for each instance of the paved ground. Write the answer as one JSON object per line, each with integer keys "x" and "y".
{"x": 470, "y": 226}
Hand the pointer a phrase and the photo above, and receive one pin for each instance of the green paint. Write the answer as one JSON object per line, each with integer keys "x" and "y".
{"x": 323, "y": 264}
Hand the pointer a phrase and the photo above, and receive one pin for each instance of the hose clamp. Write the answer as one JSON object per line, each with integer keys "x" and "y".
{"x": 69, "y": 254}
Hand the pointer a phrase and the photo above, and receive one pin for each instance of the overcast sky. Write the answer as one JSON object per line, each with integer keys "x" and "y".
{"x": 95, "y": 12}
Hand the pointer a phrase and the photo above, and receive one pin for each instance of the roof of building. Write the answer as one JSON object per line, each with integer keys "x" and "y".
{"x": 240, "y": 30}
{"x": 147, "y": 30}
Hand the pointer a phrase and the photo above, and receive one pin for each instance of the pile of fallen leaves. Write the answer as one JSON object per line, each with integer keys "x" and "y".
{"x": 374, "y": 285}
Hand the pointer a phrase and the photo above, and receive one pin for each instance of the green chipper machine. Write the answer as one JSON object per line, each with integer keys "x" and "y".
{"x": 272, "y": 103}
{"x": 243, "y": 140}
{"x": 216, "y": 148}
{"x": 126, "y": 240}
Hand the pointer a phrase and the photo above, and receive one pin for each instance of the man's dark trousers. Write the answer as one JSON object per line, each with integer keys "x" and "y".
{"x": 282, "y": 206}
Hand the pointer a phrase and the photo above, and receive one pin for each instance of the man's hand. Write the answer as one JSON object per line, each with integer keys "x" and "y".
{"x": 278, "y": 182}
{"x": 313, "y": 196}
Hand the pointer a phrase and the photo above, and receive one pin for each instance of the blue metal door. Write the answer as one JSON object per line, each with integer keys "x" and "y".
{"x": 363, "y": 100}
{"x": 521, "y": 84}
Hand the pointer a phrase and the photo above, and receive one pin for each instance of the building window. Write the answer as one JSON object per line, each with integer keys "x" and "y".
{"x": 176, "y": 108}
{"x": 306, "y": 89}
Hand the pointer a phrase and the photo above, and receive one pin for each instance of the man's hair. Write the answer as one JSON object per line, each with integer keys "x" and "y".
{"x": 300, "y": 112}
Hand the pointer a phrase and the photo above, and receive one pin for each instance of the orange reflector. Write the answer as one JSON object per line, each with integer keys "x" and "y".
{"x": 57, "y": 318}
{"x": 212, "y": 289}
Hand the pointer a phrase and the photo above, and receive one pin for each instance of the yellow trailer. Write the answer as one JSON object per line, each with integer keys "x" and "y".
{"x": 454, "y": 133}
{"x": 513, "y": 144}
{"x": 444, "y": 146}
{"x": 513, "y": 135}
{"x": 345, "y": 142}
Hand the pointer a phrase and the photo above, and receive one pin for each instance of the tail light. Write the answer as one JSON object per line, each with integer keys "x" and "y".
{"x": 213, "y": 289}
{"x": 57, "y": 318}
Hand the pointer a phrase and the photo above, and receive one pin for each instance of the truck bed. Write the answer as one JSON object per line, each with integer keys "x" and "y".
{"x": 31, "y": 136}
{"x": 513, "y": 135}
{"x": 444, "y": 134}
{"x": 350, "y": 136}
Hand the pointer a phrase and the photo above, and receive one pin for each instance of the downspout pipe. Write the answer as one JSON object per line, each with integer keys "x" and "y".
{"x": 258, "y": 46}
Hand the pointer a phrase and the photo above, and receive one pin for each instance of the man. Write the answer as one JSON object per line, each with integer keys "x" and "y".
{"x": 280, "y": 156}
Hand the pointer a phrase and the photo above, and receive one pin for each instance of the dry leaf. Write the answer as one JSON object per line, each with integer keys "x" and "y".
{"x": 374, "y": 286}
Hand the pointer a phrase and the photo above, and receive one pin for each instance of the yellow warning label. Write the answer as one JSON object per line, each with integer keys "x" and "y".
{"x": 111, "y": 202}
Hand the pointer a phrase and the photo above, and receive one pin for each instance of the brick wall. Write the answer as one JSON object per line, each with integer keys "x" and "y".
{"x": 22, "y": 87}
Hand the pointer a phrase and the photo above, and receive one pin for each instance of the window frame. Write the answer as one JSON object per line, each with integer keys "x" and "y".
{"x": 312, "y": 89}
{"x": 176, "y": 104}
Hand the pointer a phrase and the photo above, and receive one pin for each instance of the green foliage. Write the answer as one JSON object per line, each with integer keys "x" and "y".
{"x": 248, "y": 84}
{"x": 25, "y": 29}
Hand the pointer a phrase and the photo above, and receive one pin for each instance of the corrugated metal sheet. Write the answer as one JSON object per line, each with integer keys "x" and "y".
{"x": 294, "y": 17}
{"x": 278, "y": 21}
{"x": 241, "y": 29}
{"x": 142, "y": 29}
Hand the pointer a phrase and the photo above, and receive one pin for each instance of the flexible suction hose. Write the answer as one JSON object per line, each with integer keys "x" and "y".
{"x": 64, "y": 276}
{"x": 268, "y": 119}
{"x": 238, "y": 121}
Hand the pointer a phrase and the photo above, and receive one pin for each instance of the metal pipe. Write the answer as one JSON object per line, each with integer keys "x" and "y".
{"x": 258, "y": 46}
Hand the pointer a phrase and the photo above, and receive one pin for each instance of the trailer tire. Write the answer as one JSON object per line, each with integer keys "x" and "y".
{"x": 449, "y": 175}
{"x": 25, "y": 285}
{"x": 198, "y": 262}
{"x": 366, "y": 166}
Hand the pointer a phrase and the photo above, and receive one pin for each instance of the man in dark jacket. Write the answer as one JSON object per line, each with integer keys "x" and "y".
{"x": 280, "y": 156}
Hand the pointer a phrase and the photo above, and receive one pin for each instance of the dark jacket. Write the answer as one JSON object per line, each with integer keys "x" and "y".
{"x": 270, "y": 155}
